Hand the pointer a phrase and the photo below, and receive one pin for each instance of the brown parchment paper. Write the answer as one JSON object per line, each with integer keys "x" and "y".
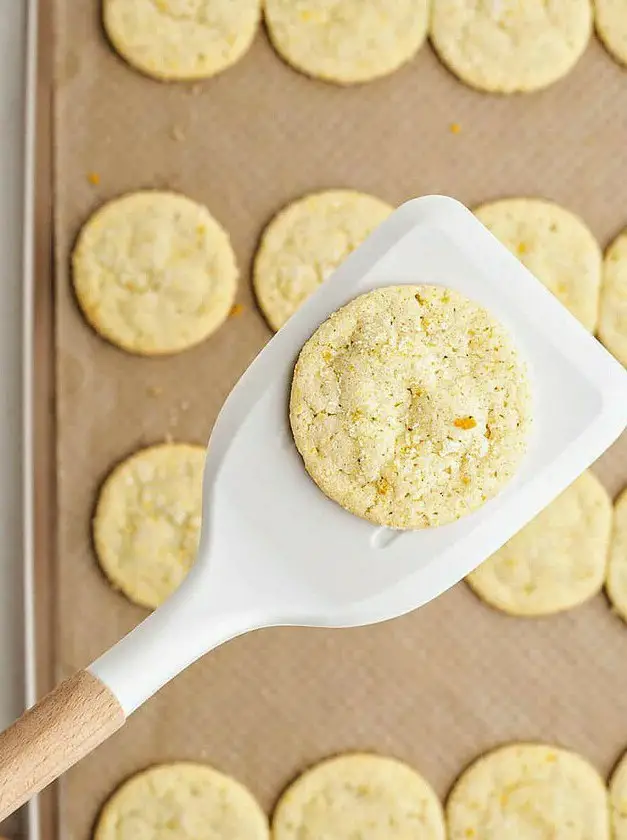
{"x": 436, "y": 687}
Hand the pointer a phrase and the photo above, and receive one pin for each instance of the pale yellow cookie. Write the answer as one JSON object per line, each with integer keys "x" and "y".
{"x": 510, "y": 46}
{"x": 616, "y": 583}
{"x": 181, "y": 801}
{"x": 611, "y": 26}
{"x": 410, "y": 406}
{"x": 613, "y": 311}
{"x": 306, "y": 242}
{"x": 347, "y": 41}
{"x": 181, "y": 39}
{"x": 154, "y": 272}
{"x": 555, "y": 245}
{"x": 557, "y": 561}
{"x": 147, "y": 521}
{"x": 618, "y": 800}
{"x": 359, "y": 796}
{"x": 528, "y": 792}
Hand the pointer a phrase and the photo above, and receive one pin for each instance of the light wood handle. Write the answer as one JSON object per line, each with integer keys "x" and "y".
{"x": 48, "y": 739}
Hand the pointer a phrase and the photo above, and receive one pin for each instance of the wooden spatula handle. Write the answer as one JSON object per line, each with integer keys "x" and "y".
{"x": 48, "y": 739}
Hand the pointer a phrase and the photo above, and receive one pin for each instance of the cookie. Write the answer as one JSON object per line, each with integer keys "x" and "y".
{"x": 306, "y": 242}
{"x": 359, "y": 795}
{"x": 616, "y": 583}
{"x": 184, "y": 801}
{"x": 510, "y": 46}
{"x": 611, "y": 26}
{"x": 177, "y": 40}
{"x": 347, "y": 41}
{"x": 613, "y": 310}
{"x": 154, "y": 273}
{"x": 555, "y": 245}
{"x": 147, "y": 521}
{"x": 527, "y": 792}
{"x": 410, "y": 406}
{"x": 557, "y": 561}
{"x": 618, "y": 800}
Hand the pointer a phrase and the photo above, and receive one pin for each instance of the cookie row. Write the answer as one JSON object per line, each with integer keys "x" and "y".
{"x": 147, "y": 522}
{"x": 514, "y": 792}
{"x": 155, "y": 273}
{"x": 505, "y": 46}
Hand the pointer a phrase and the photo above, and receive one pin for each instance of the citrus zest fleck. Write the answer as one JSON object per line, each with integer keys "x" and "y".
{"x": 465, "y": 423}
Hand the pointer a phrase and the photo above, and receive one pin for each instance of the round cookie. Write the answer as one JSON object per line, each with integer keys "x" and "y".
{"x": 347, "y": 41}
{"x": 410, "y": 406}
{"x": 147, "y": 521}
{"x": 359, "y": 795}
{"x": 510, "y": 46}
{"x": 616, "y": 582}
{"x": 611, "y": 26}
{"x": 154, "y": 272}
{"x": 178, "y": 40}
{"x": 306, "y": 242}
{"x": 613, "y": 308}
{"x": 555, "y": 245}
{"x": 527, "y": 792}
{"x": 557, "y": 561}
{"x": 618, "y": 800}
{"x": 184, "y": 801}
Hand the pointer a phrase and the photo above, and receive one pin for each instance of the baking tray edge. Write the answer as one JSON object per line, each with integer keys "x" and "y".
{"x": 38, "y": 386}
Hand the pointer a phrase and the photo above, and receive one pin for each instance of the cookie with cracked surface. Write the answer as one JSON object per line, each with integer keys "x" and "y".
{"x": 347, "y": 41}
{"x": 618, "y": 800}
{"x": 147, "y": 521}
{"x": 611, "y": 25}
{"x": 528, "y": 791}
{"x": 369, "y": 796}
{"x": 181, "y": 40}
{"x": 555, "y": 245}
{"x": 616, "y": 582}
{"x": 613, "y": 308}
{"x": 154, "y": 272}
{"x": 306, "y": 242}
{"x": 557, "y": 561}
{"x": 510, "y": 46}
{"x": 410, "y": 406}
{"x": 182, "y": 801}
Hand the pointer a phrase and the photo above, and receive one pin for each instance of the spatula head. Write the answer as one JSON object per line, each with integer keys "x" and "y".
{"x": 274, "y": 544}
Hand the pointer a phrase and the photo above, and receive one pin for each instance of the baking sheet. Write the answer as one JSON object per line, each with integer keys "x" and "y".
{"x": 435, "y": 688}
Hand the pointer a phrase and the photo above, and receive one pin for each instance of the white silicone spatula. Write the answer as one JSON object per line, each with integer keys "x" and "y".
{"x": 275, "y": 551}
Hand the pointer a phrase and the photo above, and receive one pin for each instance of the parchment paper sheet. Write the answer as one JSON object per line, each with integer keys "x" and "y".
{"x": 437, "y": 687}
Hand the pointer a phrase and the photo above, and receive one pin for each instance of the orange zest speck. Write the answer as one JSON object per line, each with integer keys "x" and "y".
{"x": 465, "y": 423}
{"x": 455, "y": 128}
{"x": 236, "y": 309}
{"x": 383, "y": 486}
{"x": 93, "y": 178}
{"x": 522, "y": 248}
